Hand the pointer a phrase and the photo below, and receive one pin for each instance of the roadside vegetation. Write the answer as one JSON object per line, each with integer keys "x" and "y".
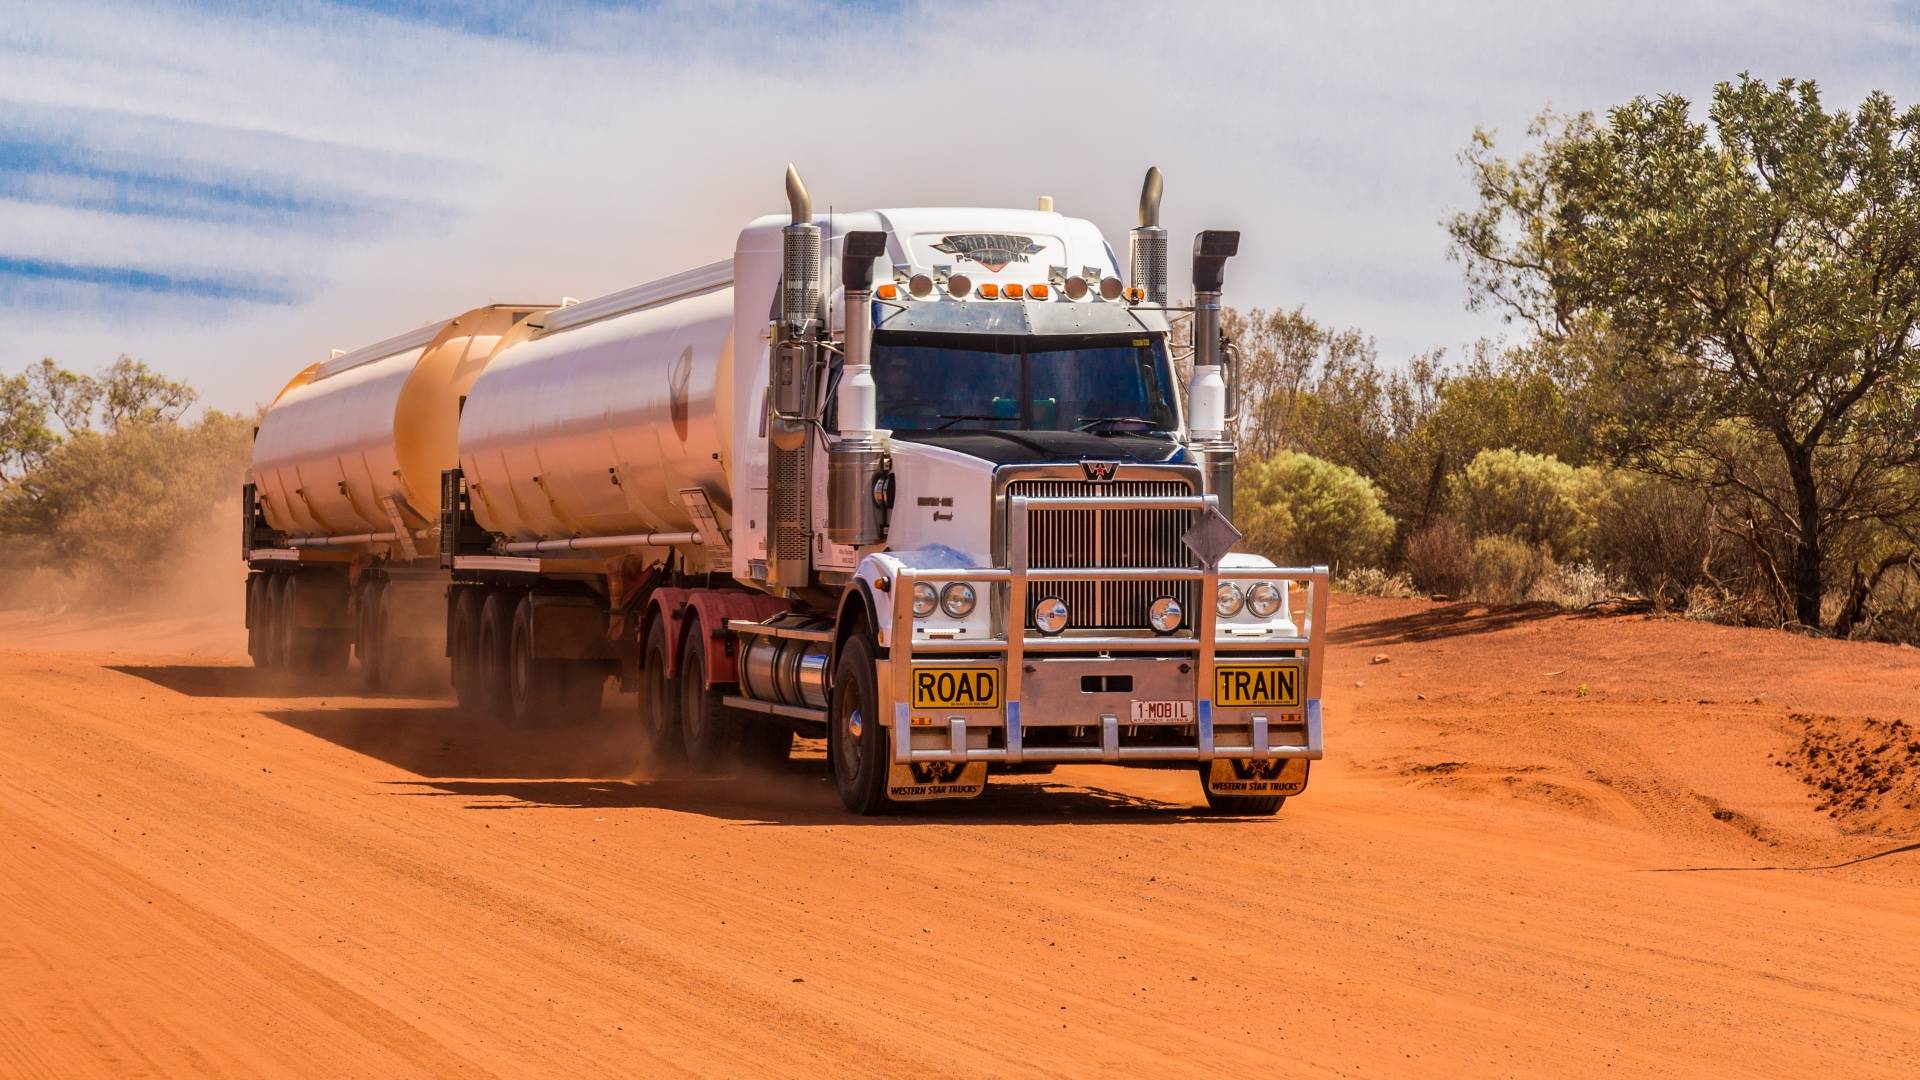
{"x": 1712, "y": 402}
{"x": 104, "y": 481}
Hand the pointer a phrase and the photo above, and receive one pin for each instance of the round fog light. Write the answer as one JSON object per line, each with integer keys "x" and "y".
{"x": 1264, "y": 599}
{"x": 1226, "y": 600}
{"x": 924, "y": 599}
{"x": 1050, "y": 615}
{"x": 1164, "y": 616}
{"x": 957, "y": 599}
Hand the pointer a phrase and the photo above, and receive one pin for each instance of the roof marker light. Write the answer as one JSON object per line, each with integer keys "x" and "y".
{"x": 887, "y": 292}
{"x": 1015, "y": 290}
{"x": 1038, "y": 292}
{"x": 989, "y": 291}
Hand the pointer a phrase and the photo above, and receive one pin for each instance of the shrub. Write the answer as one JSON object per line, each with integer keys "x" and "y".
{"x": 1656, "y": 537}
{"x": 1296, "y": 508}
{"x": 1440, "y": 558}
{"x": 1506, "y": 568}
{"x": 1372, "y": 581}
{"x": 1531, "y": 497}
{"x": 1575, "y": 585}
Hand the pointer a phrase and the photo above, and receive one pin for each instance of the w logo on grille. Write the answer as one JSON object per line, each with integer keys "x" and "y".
{"x": 1100, "y": 472}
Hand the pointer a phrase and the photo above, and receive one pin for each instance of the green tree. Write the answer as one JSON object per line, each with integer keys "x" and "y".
{"x": 1761, "y": 268}
{"x": 1296, "y": 508}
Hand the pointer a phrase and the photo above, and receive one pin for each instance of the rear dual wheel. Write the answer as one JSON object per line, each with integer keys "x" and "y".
{"x": 1241, "y": 805}
{"x": 540, "y": 691}
{"x": 685, "y": 720}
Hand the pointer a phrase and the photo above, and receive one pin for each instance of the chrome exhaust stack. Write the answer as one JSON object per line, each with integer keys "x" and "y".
{"x": 857, "y": 460}
{"x": 1148, "y": 243}
{"x": 1208, "y": 393}
{"x": 790, "y": 431}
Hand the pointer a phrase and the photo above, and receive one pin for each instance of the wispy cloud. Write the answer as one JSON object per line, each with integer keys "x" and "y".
{"x": 231, "y": 188}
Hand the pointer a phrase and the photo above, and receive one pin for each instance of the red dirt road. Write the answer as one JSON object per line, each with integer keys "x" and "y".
{"x": 1540, "y": 845}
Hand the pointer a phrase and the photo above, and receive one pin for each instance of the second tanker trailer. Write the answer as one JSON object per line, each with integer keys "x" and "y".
{"x": 920, "y": 481}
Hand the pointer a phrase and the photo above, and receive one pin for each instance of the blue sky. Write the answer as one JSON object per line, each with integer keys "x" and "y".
{"x": 229, "y": 189}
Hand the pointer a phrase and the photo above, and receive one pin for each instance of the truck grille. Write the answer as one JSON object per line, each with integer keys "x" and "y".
{"x": 1078, "y": 539}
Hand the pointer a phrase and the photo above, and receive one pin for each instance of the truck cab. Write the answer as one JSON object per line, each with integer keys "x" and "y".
{"x": 1003, "y": 529}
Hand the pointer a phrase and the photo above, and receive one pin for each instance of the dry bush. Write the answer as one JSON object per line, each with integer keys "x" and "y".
{"x": 1655, "y": 536}
{"x": 1506, "y": 569}
{"x": 1575, "y": 585}
{"x": 1439, "y": 558}
{"x": 1372, "y": 581}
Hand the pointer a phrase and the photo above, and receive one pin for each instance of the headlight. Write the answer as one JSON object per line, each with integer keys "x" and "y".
{"x": 924, "y": 599}
{"x": 1226, "y": 600}
{"x": 1264, "y": 599}
{"x": 1050, "y": 615}
{"x": 1165, "y": 614}
{"x": 957, "y": 599}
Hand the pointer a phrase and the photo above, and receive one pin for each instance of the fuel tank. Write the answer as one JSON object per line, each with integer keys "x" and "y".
{"x": 375, "y": 424}
{"x": 596, "y": 423}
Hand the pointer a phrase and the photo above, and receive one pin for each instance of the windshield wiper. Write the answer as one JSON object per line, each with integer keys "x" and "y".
{"x": 1090, "y": 423}
{"x": 952, "y": 419}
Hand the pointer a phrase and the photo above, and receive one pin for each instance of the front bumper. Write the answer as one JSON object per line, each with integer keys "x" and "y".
{"x": 1046, "y": 711}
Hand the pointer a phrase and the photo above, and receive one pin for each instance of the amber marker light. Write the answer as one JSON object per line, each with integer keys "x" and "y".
{"x": 989, "y": 291}
{"x": 887, "y": 292}
{"x": 1038, "y": 292}
{"x": 1015, "y": 291}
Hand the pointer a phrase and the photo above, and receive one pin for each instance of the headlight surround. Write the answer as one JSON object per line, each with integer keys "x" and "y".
{"x": 925, "y": 599}
{"x": 1165, "y": 615}
{"x": 958, "y": 599}
{"x": 1050, "y": 615}
{"x": 1264, "y": 598}
{"x": 1227, "y": 600}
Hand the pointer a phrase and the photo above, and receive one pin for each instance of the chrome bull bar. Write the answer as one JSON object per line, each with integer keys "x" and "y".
{"x": 1012, "y": 642}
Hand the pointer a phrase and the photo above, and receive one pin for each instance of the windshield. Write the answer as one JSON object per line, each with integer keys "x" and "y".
{"x": 949, "y": 382}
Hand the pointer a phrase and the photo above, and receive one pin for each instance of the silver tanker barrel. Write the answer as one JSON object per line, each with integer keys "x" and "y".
{"x": 346, "y": 477}
{"x": 596, "y": 432}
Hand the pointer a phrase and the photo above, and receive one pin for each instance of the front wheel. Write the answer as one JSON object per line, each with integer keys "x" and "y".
{"x": 856, "y": 743}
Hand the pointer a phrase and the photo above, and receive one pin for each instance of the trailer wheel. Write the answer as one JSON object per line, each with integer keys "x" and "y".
{"x": 540, "y": 690}
{"x": 495, "y": 644}
{"x": 1241, "y": 805}
{"x": 371, "y": 643}
{"x": 260, "y": 625}
{"x": 659, "y": 701}
{"x": 710, "y": 729}
{"x": 856, "y": 743}
{"x": 286, "y": 635}
{"x": 463, "y": 648}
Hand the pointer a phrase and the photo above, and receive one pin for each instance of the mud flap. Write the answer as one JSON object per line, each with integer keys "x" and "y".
{"x": 923, "y": 780}
{"x": 1245, "y": 776}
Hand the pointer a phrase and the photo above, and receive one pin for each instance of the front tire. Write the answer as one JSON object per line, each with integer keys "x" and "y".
{"x": 856, "y": 743}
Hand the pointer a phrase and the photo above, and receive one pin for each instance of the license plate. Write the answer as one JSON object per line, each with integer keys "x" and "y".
{"x": 953, "y": 687}
{"x": 1272, "y": 686}
{"x": 1163, "y": 712}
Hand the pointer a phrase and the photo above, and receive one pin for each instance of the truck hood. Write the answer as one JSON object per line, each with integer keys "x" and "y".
{"x": 1053, "y": 447}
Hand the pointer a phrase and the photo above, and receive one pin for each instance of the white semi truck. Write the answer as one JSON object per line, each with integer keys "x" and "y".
{"x": 919, "y": 481}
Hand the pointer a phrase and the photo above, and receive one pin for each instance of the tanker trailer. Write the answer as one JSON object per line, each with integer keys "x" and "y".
{"x": 343, "y": 498}
{"x": 921, "y": 482}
